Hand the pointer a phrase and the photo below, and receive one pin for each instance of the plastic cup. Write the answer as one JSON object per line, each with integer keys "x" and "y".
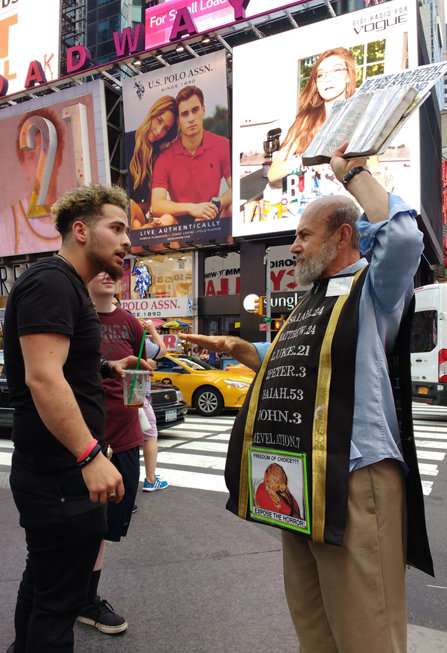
{"x": 134, "y": 387}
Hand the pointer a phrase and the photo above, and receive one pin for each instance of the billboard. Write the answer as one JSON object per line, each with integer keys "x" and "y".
{"x": 159, "y": 307}
{"x": 279, "y": 105}
{"x": 171, "y": 20}
{"x": 222, "y": 275}
{"x": 27, "y": 33}
{"x": 48, "y": 145}
{"x": 178, "y": 154}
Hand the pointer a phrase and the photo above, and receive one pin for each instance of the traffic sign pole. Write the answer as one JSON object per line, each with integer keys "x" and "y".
{"x": 268, "y": 304}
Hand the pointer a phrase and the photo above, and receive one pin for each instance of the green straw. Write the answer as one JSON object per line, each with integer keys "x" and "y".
{"x": 137, "y": 366}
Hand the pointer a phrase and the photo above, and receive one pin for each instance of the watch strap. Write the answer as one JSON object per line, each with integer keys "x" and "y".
{"x": 355, "y": 171}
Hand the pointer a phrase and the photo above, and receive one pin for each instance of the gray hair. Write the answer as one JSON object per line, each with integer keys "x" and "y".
{"x": 348, "y": 214}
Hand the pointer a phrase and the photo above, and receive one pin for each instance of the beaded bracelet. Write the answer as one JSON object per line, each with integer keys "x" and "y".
{"x": 355, "y": 171}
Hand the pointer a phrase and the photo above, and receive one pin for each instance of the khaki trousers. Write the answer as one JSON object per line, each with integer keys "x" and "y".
{"x": 351, "y": 599}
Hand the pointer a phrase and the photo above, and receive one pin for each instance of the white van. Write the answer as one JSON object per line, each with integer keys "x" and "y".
{"x": 429, "y": 345}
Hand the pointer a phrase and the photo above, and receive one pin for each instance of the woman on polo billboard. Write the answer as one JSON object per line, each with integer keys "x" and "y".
{"x": 153, "y": 136}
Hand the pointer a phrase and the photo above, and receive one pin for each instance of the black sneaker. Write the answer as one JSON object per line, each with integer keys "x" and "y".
{"x": 101, "y": 615}
{"x": 134, "y": 509}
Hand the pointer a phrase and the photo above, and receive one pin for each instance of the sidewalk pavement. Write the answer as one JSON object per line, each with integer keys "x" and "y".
{"x": 189, "y": 578}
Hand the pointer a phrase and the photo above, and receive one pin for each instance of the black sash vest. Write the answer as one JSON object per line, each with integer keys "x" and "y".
{"x": 288, "y": 456}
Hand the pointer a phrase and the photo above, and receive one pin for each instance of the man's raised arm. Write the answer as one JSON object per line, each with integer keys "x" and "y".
{"x": 371, "y": 195}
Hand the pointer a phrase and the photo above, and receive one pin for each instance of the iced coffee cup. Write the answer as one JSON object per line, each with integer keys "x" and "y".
{"x": 134, "y": 387}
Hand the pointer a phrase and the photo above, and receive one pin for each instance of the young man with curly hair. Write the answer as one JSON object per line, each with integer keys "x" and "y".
{"x": 60, "y": 478}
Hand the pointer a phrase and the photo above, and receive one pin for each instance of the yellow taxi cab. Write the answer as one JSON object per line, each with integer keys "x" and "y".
{"x": 204, "y": 388}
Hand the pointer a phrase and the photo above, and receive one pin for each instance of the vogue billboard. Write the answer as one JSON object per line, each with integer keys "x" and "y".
{"x": 280, "y": 104}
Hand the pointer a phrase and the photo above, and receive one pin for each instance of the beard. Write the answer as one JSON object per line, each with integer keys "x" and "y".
{"x": 309, "y": 270}
{"x": 103, "y": 264}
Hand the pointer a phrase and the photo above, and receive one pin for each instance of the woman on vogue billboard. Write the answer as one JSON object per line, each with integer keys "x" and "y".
{"x": 332, "y": 78}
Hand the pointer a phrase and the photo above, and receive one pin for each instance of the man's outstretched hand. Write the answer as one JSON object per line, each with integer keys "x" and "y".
{"x": 241, "y": 350}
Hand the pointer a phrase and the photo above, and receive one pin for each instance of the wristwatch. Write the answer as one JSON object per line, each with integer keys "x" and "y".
{"x": 355, "y": 171}
{"x": 104, "y": 369}
{"x": 216, "y": 202}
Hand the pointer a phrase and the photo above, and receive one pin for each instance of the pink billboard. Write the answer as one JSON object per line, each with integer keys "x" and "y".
{"x": 48, "y": 146}
{"x": 171, "y": 20}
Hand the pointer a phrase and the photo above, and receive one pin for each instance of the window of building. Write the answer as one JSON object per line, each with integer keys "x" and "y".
{"x": 424, "y": 331}
{"x": 167, "y": 275}
{"x": 103, "y": 30}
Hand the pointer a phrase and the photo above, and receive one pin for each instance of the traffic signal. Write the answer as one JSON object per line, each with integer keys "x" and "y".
{"x": 277, "y": 324}
{"x": 258, "y": 305}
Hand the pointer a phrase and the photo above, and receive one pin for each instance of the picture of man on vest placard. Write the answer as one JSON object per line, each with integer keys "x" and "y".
{"x": 274, "y": 494}
{"x": 278, "y": 488}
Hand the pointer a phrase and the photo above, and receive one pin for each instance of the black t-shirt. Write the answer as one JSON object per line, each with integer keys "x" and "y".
{"x": 50, "y": 297}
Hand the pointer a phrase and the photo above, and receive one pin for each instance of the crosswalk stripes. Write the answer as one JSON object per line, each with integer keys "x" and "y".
{"x": 430, "y": 431}
{"x": 184, "y": 453}
{"x": 420, "y": 408}
{"x": 192, "y": 454}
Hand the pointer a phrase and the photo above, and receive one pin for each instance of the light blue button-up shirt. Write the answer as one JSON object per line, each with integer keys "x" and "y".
{"x": 393, "y": 248}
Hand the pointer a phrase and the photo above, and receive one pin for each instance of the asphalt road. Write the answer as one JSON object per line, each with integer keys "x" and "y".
{"x": 192, "y": 578}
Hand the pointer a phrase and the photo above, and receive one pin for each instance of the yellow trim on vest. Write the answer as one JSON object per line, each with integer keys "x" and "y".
{"x": 319, "y": 431}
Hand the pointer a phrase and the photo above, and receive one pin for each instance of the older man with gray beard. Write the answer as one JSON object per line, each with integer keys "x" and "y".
{"x": 337, "y": 379}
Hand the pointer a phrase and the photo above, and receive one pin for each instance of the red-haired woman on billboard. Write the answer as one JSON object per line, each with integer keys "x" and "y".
{"x": 153, "y": 136}
{"x": 332, "y": 78}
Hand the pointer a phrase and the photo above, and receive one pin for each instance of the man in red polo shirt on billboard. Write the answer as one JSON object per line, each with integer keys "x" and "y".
{"x": 192, "y": 168}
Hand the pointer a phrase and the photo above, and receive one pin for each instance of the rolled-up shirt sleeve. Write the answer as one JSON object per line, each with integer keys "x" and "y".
{"x": 262, "y": 349}
{"x": 393, "y": 248}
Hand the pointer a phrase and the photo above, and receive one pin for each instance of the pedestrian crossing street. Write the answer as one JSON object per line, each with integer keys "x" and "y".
{"x": 192, "y": 454}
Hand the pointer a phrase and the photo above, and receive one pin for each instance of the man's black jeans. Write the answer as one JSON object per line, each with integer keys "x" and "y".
{"x": 63, "y": 534}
